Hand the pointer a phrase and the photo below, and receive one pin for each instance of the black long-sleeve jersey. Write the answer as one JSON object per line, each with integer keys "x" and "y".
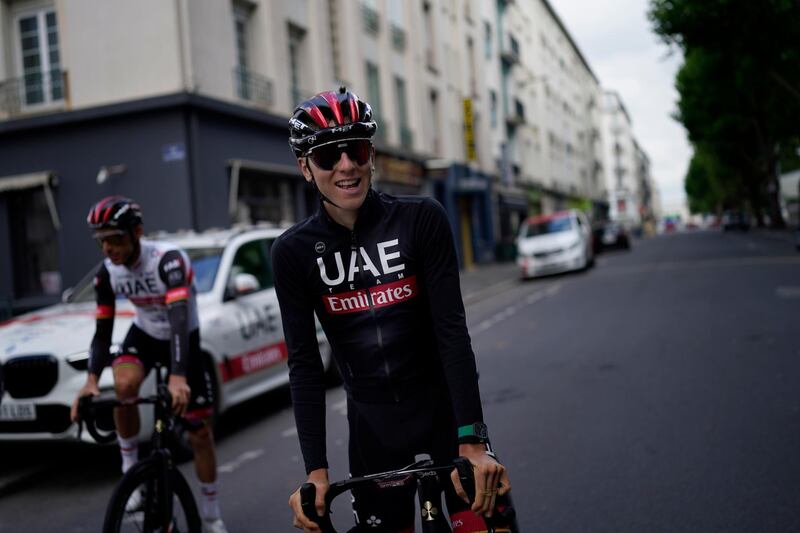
{"x": 388, "y": 297}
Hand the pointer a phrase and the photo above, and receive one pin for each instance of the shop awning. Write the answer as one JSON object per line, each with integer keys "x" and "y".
{"x": 45, "y": 179}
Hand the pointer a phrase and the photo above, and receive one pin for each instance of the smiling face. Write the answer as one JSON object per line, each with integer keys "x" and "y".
{"x": 346, "y": 183}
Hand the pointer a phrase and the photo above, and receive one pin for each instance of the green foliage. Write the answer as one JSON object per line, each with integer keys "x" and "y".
{"x": 739, "y": 91}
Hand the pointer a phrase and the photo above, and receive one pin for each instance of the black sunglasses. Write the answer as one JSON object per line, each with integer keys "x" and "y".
{"x": 327, "y": 155}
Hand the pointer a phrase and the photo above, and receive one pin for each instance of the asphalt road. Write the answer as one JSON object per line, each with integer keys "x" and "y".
{"x": 655, "y": 392}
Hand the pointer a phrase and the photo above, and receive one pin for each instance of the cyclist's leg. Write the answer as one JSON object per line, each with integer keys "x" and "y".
{"x": 198, "y": 424}
{"x": 390, "y": 509}
{"x": 129, "y": 370}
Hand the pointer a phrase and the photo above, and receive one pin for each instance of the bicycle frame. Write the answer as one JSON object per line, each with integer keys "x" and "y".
{"x": 161, "y": 441}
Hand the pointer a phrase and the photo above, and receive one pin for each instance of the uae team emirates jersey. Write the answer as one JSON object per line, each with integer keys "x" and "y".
{"x": 161, "y": 288}
{"x": 388, "y": 298}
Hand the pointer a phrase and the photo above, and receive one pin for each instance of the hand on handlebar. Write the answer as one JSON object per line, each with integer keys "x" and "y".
{"x": 89, "y": 389}
{"x": 491, "y": 479}
{"x": 319, "y": 478}
{"x": 180, "y": 392}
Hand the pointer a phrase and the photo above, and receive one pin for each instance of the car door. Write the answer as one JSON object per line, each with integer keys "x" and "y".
{"x": 256, "y": 348}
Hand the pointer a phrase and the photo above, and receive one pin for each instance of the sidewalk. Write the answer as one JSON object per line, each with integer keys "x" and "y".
{"x": 486, "y": 279}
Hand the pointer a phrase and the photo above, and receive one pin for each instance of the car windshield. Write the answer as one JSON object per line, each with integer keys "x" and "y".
{"x": 554, "y": 225}
{"x": 205, "y": 263}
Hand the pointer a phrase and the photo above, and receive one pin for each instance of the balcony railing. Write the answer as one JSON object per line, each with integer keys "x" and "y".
{"x": 253, "y": 87}
{"x": 32, "y": 92}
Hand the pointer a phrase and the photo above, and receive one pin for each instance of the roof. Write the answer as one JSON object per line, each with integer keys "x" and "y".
{"x": 540, "y": 219}
{"x": 215, "y": 237}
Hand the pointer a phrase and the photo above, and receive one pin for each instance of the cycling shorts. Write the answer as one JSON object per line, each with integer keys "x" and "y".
{"x": 141, "y": 349}
{"x": 388, "y": 436}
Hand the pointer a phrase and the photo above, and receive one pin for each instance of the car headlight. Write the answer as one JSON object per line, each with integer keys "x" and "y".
{"x": 79, "y": 361}
{"x": 575, "y": 245}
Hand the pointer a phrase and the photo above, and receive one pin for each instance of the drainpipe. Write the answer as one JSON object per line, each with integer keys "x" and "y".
{"x": 185, "y": 45}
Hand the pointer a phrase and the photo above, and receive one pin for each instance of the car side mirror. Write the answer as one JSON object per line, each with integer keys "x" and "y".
{"x": 242, "y": 284}
{"x": 66, "y": 296}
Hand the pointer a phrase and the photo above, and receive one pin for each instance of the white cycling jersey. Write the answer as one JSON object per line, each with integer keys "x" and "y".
{"x": 145, "y": 285}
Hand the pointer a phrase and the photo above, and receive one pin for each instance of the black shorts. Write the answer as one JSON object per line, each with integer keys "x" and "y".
{"x": 141, "y": 349}
{"x": 388, "y": 436}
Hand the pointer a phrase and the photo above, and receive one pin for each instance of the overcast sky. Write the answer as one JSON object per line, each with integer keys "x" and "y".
{"x": 616, "y": 39}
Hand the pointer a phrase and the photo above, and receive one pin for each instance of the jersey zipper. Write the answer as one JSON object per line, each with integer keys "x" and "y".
{"x": 354, "y": 248}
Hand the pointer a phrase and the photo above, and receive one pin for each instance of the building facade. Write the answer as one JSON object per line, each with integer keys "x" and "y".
{"x": 489, "y": 106}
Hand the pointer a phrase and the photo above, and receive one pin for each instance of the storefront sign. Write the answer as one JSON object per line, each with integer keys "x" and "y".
{"x": 394, "y": 170}
{"x": 469, "y": 132}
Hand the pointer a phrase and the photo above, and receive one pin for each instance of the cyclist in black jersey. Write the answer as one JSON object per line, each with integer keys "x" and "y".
{"x": 157, "y": 278}
{"x": 381, "y": 274}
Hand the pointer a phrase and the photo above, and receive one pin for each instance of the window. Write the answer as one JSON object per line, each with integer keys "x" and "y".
{"x": 40, "y": 58}
{"x": 433, "y": 99}
{"x": 406, "y": 140}
{"x": 296, "y": 59}
{"x": 493, "y": 109}
{"x": 473, "y": 85}
{"x": 427, "y": 36}
{"x": 374, "y": 88}
{"x": 487, "y": 39}
{"x": 240, "y": 16}
{"x": 34, "y": 250}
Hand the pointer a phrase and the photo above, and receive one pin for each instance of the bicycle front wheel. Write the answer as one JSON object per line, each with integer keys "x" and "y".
{"x": 141, "y": 502}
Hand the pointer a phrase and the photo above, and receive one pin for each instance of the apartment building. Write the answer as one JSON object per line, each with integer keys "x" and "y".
{"x": 489, "y": 106}
{"x": 623, "y": 159}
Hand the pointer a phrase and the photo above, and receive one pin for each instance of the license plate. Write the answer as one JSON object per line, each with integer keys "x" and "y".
{"x": 17, "y": 411}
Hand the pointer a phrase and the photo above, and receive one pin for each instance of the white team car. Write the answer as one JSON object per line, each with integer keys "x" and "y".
{"x": 559, "y": 242}
{"x": 45, "y": 353}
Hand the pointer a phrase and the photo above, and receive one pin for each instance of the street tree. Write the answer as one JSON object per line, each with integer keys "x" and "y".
{"x": 739, "y": 86}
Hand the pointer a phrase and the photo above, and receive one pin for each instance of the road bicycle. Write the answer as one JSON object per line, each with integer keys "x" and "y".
{"x": 429, "y": 479}
{"x": 167, "y": 504}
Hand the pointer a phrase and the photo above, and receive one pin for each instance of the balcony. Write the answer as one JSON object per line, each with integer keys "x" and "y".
{"x": 253, "y": 87}
{"x": 33, "y": 93}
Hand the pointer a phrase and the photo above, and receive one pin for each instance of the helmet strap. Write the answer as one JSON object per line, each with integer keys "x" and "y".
{"x": 137, "y": 249}
{"x": 314, "y": 184}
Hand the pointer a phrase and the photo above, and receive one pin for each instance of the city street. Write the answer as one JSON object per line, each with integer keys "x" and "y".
{"x": 656, "y": 392}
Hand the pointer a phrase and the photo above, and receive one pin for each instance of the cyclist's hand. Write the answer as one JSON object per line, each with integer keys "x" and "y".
{"x": 491, "y": 478}
{"x": 180, "y": 392}
{"x": 319, "y": 478}
{"x": 89, "y": 389}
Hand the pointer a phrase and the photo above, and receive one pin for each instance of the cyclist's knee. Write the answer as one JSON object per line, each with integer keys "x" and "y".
{"x": 201, "y": 436}
{"x": 127, "y": 381}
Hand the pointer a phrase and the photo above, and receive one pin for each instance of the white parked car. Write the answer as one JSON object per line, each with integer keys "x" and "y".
{"x": 45, "y": 353}
{"x": 558, "y": 242}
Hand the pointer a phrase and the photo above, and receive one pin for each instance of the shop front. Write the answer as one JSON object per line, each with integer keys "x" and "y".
{"x": 466, "y": 195}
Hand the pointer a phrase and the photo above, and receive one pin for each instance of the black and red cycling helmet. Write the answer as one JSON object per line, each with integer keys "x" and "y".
{"x": 114, "y": 214}
{"x": 329, "y": 116}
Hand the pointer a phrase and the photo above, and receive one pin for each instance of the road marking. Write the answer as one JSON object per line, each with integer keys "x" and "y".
{"x": 788, "y": 292}
{"x": 511, "y": 310}
{"x": 291, "y": 432}
{"x": 246, "y": 457}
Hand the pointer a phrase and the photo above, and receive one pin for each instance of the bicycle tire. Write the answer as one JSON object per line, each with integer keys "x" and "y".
{"x": 185, "y": 517}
